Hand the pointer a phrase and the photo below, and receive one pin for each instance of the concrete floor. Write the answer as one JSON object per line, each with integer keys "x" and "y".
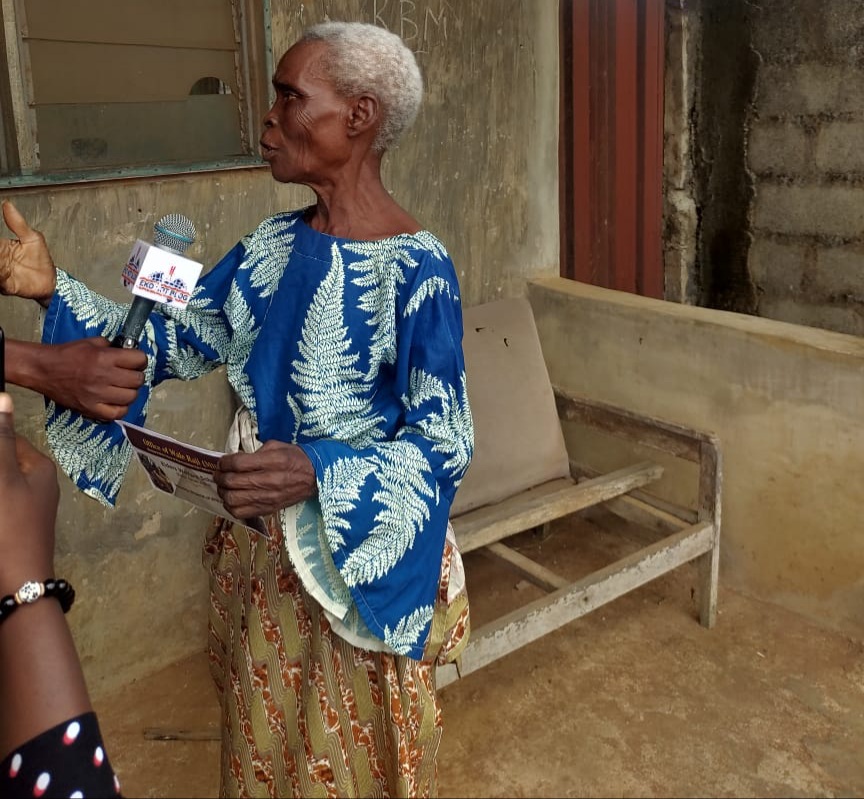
{"x": 634, "y": 699}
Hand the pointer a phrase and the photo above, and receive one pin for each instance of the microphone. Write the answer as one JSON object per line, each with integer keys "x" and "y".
{"x": 173, "y": 234}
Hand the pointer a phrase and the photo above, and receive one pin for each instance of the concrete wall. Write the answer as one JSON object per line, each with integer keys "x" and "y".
{"x": 479, "y": 169}
{"x": 785, "y": 401}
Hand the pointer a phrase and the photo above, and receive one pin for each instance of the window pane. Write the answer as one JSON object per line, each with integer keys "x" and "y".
{"x": 199, "y": 128}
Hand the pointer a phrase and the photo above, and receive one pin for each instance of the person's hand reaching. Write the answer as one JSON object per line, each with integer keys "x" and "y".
{"x": 29, "y": 494}
{"x": 26, "y": 267}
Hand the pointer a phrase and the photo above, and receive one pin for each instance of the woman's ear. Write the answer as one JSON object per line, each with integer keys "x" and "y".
{"x": 364, "y": 114}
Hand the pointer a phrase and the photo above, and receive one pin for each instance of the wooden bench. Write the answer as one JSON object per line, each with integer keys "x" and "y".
{"x": 522, "y": 477}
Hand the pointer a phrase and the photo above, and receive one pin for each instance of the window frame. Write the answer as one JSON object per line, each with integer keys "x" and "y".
{"x": 18, "y": 131}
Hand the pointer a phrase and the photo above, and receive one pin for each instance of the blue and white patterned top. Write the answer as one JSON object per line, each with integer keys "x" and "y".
{"x": 350, "y": 349}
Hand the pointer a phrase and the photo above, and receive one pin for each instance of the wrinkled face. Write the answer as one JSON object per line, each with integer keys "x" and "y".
{"x": 305, "y": 131}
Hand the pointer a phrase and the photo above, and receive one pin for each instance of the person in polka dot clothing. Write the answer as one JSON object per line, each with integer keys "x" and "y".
{"x": 49, "y": 735}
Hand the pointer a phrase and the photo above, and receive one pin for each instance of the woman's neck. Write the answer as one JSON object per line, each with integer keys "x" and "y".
{"x": 362, "y": 209}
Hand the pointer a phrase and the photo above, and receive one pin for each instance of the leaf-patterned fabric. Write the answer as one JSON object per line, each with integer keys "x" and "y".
{"x": 353, "y": 351}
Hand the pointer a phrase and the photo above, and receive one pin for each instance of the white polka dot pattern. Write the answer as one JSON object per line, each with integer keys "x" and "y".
{"x": 67, "y": 760}
{"x": 71, "y": 733}
{"x": 42, "y": 784}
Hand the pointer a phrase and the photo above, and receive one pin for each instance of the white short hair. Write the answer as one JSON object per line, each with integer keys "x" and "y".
{"x": 366, "y": 58}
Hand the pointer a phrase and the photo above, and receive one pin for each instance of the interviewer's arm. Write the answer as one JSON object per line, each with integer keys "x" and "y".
{"x": 41, "y": 682}
{"x": 87, "y": 375}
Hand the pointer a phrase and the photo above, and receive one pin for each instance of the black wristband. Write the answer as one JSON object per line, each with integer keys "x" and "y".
{"x": 32, "y": 591}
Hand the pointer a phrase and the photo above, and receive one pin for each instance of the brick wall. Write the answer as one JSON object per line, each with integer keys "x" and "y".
{"x": 805, "y": 152}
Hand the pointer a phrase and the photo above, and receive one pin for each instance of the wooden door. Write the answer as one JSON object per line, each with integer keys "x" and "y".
{"x": 611, "y": 143}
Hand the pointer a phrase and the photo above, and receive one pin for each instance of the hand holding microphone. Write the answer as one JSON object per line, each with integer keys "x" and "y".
{"x": 89, "y": 375}
{"x": 158, "y": 273}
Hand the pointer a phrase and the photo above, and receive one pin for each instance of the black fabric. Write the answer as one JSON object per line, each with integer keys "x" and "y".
{"x": 67, "y": 760}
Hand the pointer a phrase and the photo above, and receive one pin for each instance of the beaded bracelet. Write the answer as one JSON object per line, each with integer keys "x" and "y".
{"x": 32, "y": 590}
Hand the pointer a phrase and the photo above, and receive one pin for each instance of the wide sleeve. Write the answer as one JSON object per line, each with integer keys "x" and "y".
{"x": 181, "y": 344}
{"x": 385, "y": 507}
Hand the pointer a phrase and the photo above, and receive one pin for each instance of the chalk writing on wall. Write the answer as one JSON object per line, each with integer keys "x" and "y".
{"x": 421, "y": 25}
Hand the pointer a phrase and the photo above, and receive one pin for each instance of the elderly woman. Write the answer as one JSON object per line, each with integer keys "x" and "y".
{"x": 340, "y": 325}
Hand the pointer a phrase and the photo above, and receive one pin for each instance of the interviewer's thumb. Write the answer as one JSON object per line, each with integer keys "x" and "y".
{"x": 6, "y": 408}
{"x": 7, "y": 431}
{"x": 18, "y": 457}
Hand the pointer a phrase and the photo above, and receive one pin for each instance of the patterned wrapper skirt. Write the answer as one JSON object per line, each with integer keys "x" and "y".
{"x": 305, "y": 713}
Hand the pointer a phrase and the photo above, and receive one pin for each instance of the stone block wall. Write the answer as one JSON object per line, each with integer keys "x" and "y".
{"x": 805, "y": 153}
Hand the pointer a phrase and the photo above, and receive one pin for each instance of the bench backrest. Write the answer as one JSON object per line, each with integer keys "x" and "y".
{"x": 518, "y": 443}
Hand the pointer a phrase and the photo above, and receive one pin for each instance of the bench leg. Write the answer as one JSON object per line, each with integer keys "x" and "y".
{"x": 541, "y": 531}
{"x": 708, "y": 565}
{"x": 708, "y": 570}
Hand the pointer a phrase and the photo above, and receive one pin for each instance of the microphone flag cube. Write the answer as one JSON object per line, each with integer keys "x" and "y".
{"x": 156, "y": 274}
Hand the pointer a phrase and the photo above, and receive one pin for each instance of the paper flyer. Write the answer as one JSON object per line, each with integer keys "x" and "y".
{"x": 183, "y": 471}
